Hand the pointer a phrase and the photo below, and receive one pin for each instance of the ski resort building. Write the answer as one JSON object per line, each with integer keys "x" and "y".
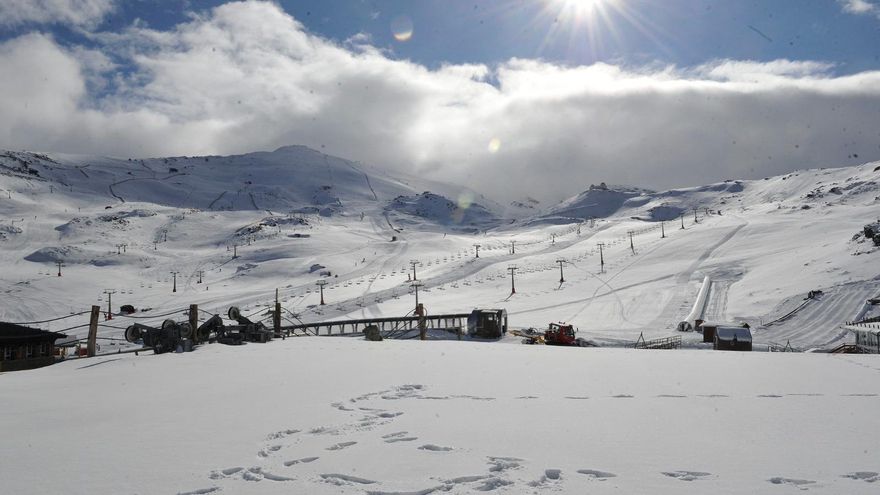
{"x": 867, "y": 335}
{"x": 733, "y": 339}
{"x": 25, "y": 348}
{"x": 709, "y": 327}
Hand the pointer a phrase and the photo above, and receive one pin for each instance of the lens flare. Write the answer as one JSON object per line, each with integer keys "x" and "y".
{"x": 402, "y": 28}
{"x": 494, "y": 145}
{"x": 465, "y": 200}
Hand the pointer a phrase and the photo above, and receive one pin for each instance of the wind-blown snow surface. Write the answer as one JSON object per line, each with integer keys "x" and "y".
{"x": 342, "y": 415}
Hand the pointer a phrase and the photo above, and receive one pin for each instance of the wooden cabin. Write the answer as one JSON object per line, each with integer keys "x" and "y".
{"x": 733, "y": 339}
{"x": 25, "y": 348}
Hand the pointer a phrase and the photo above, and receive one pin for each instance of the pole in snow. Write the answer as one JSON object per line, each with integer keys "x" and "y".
{"x": 696, "y": 220}
{"x": 662, "y": 230}
{"x": 414, "y": 263}
{"x": 682, "y": 221}
{"x": 109, "y": 303}
{"x": 512, "y": 247}
{"x": 512, "y": 270}
{"x": 631, "y": 245}
{"x": 416, "y": 284}
{"x": 321, "y": 284}
{"x": 561, "y": 262}
{"x": 477, "y": 246}
{"x": 174, "y": 275}
{"x": 60, "y": 264}
{"x": 601, "y": 257}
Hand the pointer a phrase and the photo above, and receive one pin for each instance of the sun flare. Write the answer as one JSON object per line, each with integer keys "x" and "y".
{"x": 582, "y": 8}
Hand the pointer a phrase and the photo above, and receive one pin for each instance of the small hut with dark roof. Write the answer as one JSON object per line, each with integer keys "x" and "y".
{"x": 25, "y": 348}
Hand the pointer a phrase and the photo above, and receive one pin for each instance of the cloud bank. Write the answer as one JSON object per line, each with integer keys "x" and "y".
{"x": 246, "y": 76}
{"x": 78, "y": 13}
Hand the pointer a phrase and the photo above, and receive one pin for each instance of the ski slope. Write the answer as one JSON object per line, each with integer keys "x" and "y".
{"x": 342, "y": 415}
{"x": 292, "y": 214}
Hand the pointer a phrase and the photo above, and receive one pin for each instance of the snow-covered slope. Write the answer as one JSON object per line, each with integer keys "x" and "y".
{"x": 341, "y": 415}
{"x": 289, "y": 179}
{"x": 764, "y": 244}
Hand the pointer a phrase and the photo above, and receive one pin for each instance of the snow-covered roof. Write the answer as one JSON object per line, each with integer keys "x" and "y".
{"x": 720, "y": 324}
{"x": 729, "y": 333}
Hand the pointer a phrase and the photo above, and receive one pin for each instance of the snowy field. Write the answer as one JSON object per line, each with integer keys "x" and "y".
{"x": 342, "y": 415}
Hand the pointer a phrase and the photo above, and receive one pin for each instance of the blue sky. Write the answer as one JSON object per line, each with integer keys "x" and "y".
{"x": 558, "y": 93}
{"x": 682, "y": 32}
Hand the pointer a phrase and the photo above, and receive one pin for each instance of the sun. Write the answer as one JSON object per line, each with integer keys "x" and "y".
{"x": 582, "y": 8}
{"x": 591, "y": 29}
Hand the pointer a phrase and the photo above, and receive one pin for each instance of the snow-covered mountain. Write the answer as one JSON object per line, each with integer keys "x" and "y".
{"x": 256, "y": 222}
{"x": 289, "y": 179}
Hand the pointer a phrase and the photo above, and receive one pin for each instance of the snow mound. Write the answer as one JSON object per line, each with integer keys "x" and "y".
{"x": 443, "y": 211}
{"x": 599, "y": 201}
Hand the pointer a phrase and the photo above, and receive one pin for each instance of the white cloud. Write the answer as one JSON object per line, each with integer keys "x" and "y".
{"x": 79, "y": 13}
{"x": 860, "y": 7}
{"x": 246, "y": 76}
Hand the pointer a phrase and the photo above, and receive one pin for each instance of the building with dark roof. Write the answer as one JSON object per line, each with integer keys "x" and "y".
{"x": 25, "y": 348}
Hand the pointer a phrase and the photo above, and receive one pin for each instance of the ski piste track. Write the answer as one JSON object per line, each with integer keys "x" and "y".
{"x": 809, "y": 325}
{"x": 462, "y": 269}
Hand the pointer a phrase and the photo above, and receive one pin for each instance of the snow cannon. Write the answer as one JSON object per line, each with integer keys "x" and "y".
{"x": 163, "y": 339}
{"x": 246, "y": 330}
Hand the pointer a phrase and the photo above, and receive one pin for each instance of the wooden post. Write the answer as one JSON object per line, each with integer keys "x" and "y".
{"x": 423, "y": 330}
{"x": 93, "y": 331}
{"x": 194, "y": 322}
{"x": 276, "y": 318}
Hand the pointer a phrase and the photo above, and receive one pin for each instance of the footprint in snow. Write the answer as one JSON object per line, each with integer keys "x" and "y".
{"x": 401, "y": 439}
{"x": 340, "y": 445}
{"x": 304, "y": 460}
{"x": 501, "y": 464}
{"x": 671, "y": 396}
{"x": 388, "y": 415}
{"x": 597, "y": 475}
{"x": 345, "y": 479}
{"x": 281, "y": 434}
{"x": 269, "y": 451}
{"x": 201, "y": 491}
{"x": 550, "y": 476}
{"x": 222, "y": 473}
{"x": 686, "y": 475}
{"x": 866, "y": 476}
{"x": 492, "y": 484}
{"x": 435, "y": 448}
{"x": 778, "y": 480}
{"x": 573, "y": 397}
{"x": 623, "y": 396}
{"x": 770, "y": 396}
{"x": 467, "y": 479}
{"x": 324, "y": 430}
{"x": 395, "y": 434}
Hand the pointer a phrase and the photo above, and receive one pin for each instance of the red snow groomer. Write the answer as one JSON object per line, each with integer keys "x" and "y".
{"x": 562, "y": 334}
